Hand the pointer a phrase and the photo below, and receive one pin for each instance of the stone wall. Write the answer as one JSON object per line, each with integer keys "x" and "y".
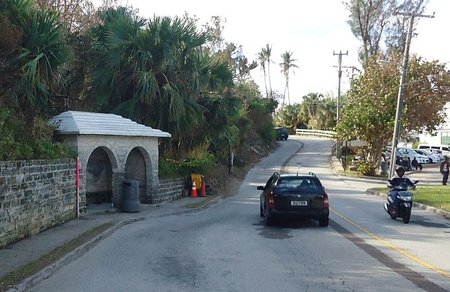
{"x": 40, "y": 194}
{"x": 34, "y": 196}
{"x": 169, "y": 189}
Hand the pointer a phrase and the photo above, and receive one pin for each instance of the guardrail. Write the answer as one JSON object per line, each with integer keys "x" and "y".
{"x": 320, "y": 133}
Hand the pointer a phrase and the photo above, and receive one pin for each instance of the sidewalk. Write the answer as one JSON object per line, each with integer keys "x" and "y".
{"x": 30, "y": 249}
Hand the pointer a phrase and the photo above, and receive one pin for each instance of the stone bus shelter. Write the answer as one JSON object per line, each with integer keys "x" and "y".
{"x": 111, "y": 149}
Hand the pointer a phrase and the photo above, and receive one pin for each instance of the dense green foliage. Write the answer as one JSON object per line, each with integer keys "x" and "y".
{"x": 199, "y": 163}
{"x": 370, "y": 105}
{"x": 315, "y": 112}
{"x": 34, "y": 57}
{"x": 167, "y": 73}
{"x": 20, "y": 140}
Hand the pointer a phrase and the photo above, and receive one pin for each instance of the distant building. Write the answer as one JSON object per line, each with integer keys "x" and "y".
{"x": 442, "y": 134}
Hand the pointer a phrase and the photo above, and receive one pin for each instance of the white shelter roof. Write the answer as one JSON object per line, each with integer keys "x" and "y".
{"x": 89, "y": 123}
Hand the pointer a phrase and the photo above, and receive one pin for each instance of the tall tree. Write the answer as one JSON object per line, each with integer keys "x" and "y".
{"x": 287, "y": 65}
{"x": 243, "y": 66}
{"x": 262, "y": 64}
{"x": 318, "y": 112}
{"x": 77, "y": 15}
{"x": 369, "y": 108}
{"x": 376, "y": 21}
{"x": 368, "y": 21}
{"x": 33, "y": 74}
{"x": 267, "y": 53}
{"x": 155, "y": 72}
{"x": 291, "y": 117}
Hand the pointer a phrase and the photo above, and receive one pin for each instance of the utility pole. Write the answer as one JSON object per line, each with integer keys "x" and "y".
{"x": 401, "y": 90}
{"x": 338, "y": 100}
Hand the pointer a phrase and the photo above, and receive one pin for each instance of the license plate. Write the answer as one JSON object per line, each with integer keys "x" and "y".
{"x": 299, "y": 203}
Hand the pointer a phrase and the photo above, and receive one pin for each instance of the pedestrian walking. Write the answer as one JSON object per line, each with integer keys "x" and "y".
{"x": 416, "y": 164}
{"x": 444, "y": 170}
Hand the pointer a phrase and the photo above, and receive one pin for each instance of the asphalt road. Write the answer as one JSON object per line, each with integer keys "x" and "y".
{"x": 228, "y": 248}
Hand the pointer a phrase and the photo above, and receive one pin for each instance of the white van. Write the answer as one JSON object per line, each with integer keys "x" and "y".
{"x": 445, "y": 149}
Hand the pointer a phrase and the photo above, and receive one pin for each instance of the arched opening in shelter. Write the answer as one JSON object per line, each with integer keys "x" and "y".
{"x": 99, "y": 187}
{"x": 135, "y": 169}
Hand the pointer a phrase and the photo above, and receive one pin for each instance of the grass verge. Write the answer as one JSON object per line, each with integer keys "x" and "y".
{"x": 435, "y": 196}
{"x": 16, "y": 277}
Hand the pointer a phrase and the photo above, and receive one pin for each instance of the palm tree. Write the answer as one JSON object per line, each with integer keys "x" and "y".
{"x": 36, "y": 66}
{"x": 267, "y": 53}
{"x": 309, "y": 108}
{"x": 155, "y": 72}
{"x": 287, "y": 65}
{"x": 262, "y": 63}
{"x": 244, "y": 67}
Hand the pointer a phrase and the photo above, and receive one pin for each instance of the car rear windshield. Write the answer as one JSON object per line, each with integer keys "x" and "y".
{"x": 301, "y": 184}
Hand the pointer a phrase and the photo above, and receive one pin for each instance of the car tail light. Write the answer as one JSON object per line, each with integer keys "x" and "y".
{"x": 271, "y": 200}
{"x": 325, "y": 201}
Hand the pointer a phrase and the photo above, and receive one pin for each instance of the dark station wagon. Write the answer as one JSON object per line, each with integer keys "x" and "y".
{"x": 294, "y": 196}
{"x": 281, "y": 133}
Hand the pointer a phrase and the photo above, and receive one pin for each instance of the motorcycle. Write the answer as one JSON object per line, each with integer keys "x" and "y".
{"x": 400, "y": 200}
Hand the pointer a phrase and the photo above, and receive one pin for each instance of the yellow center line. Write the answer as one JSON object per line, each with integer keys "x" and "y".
{"x": 394, "y": 247}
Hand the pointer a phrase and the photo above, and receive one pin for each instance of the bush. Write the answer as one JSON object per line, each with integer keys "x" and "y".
{"x": 201, "y": 163}
{"x": 24, "y": 142}
{"x": 366, "y": 168}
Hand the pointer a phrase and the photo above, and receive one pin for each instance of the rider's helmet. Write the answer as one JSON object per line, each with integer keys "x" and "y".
{"x": 400, "y": 171}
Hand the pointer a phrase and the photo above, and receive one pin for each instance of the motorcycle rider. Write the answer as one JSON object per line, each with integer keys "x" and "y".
{"x": 398, "y": 180}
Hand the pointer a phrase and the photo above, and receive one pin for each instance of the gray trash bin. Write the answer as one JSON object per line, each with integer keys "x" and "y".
{"x": 130, "y": 196}
{"x": 384, "y": 168}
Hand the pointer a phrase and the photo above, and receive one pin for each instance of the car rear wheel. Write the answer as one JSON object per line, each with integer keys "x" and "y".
{"x": 323, "y": 222}
{"x": 268, "y": 219}
{"x": 261, "y": 211}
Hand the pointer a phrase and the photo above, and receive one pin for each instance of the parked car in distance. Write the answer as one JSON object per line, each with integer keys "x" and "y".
{"x": 409, "y": 152}
{"x": 445, "y": 149}
{"x": 282, "y": 133}
{"x": 438, "y": 153}
{"x": 432, "y": 157}
{"x": 294, "y": 196}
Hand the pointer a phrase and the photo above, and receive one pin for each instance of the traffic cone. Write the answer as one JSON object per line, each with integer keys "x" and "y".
{"x": 194, "y": 190}
{"x": 203, "y": 191}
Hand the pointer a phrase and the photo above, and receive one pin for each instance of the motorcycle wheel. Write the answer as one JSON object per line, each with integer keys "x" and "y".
{"x": 406, "y": 216}
{"x": 386, "y": 208}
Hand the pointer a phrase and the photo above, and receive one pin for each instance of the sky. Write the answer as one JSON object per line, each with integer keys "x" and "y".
{"x": 313, "y": 30}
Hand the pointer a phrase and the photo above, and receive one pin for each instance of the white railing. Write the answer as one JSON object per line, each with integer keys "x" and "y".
{"x": 320, "y": 133}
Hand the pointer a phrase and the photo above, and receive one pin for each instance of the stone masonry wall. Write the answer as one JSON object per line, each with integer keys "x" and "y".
{"x": 169, "y": 189}
{"x": 40, "y": 194}
{"x": 34, "y": 196}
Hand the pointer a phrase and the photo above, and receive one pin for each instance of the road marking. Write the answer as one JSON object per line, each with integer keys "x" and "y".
{"x": 394, "y": 247}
